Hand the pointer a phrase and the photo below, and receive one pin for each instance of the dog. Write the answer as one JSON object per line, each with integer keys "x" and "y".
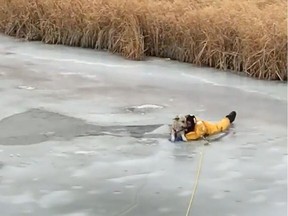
{"x": 178, "y": 128}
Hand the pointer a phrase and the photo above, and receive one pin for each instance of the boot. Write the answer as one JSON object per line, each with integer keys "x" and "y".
{"x": 231, "y": 116}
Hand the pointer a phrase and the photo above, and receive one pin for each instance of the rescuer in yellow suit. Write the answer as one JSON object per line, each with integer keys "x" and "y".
{"x": 197, "y": 128}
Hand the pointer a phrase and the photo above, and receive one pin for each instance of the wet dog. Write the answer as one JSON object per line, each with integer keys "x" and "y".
{"x": 178, "y": 127}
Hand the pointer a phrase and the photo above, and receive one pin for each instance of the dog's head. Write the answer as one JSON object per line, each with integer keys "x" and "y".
{"x": 179, "y": 123}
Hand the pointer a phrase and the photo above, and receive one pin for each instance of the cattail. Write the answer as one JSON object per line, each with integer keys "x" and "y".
{"x": 240, "y": 35}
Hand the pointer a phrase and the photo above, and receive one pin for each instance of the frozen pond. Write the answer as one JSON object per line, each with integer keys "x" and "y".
{"x": 84, "y": 133}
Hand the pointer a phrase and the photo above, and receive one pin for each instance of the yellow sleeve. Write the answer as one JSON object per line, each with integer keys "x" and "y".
{"x": 200, "y": 130}
{"x": 192, "y": 136}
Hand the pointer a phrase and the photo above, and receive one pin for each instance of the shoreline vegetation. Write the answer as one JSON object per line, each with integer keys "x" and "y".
{"x": 248, "y": 36}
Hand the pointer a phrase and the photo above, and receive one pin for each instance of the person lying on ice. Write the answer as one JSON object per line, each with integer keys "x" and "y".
{"x": 196, "y": 128}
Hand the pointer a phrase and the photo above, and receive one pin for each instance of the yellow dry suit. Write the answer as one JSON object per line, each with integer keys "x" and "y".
{"x": 206, "y": 128}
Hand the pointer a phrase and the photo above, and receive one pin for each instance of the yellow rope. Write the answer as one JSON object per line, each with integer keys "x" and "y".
{"x": 196, "y": 181}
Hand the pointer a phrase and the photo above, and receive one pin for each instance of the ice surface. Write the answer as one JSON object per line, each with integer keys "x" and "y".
{"x": 75, "y": 173}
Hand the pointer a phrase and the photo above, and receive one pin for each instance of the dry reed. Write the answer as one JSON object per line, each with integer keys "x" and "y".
{"x": 241, "y": 35}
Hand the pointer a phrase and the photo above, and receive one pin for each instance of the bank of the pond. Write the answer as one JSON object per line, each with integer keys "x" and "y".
{"x": 248, "y": 36}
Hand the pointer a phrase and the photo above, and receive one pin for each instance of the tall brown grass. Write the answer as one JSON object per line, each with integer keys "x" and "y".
{"x": 242, "y": 35}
